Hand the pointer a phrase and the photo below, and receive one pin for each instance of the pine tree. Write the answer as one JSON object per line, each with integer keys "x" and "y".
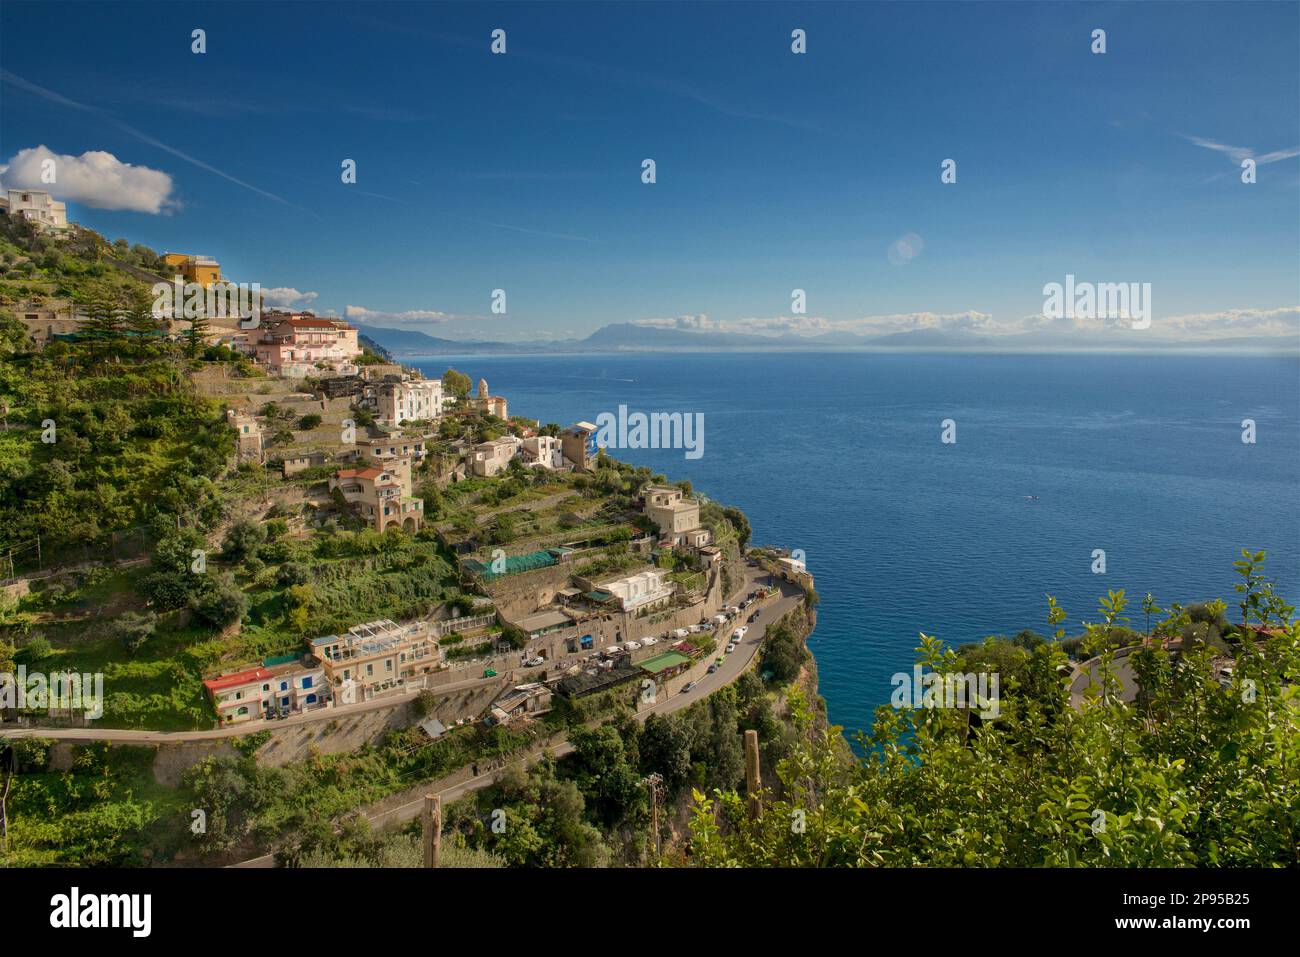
{"x": 140, "y": 321}
{"x": 103, "y": 323}
{"x": 196, "y": 337}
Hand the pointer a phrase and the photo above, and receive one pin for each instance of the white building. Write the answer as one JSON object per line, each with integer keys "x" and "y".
{"x": 643, "y": 588}
{"x": 36, "y": 206}
{"x": 543, "y": 451}
{"x": 409, "y": 401}
{"x": 489, "y": 458}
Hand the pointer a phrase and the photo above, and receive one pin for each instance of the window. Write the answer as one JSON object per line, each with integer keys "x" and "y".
{"x": 284, "y": 686}
{"x": 306, "y": 682}
{"x": 388, "y": 664}
{"x": 370, "y": 671}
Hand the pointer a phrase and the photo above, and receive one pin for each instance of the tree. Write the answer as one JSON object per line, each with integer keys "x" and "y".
{"x": 222, "y": 604}
{"x": 783, "y": 652}
{"x": 309, "y": 422}
{"x": 35, "y": 650}
{"x": 456, "y": 383}
{"x": 142, "y": 324}
{"x": 665, "y": 747}
{"x": 173, "y": 579}
{"x": 1201, "y": 771}
{"x": 103, "y": 323}
{"x": 196, "y": 336}
{"x": 242, "y": 540}
{"x": 134, "y": 629}
{"x": 738, "y": 520}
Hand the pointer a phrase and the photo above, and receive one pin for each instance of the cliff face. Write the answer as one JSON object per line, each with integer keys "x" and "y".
{"x": 804, "y": 622}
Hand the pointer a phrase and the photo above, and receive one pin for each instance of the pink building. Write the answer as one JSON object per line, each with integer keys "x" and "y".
{"x": 297, "y": 341}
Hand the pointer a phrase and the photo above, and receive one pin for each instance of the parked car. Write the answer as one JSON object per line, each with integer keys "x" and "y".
{"x": 687, "y": 687}
{"x": 535, "y": 661}
{"x": 755, "y": 616}
{"x": 713, "y": 667}
{"x": 632, "y": 645}
{"x": 731, "y": 647}
{"x": 740, "y": 632}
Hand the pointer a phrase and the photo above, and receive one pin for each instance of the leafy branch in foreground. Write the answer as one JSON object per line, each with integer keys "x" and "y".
{"x": 1201, "y": 769}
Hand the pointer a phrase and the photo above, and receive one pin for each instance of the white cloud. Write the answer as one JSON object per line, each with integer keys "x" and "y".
{"x": 286, "y": 297}
{"x": 413, "y": 318}
{"x": 95, "y": 178}
{"x": 1239, "y": 153}
{"x": 1283, "y": 321}
{"x": 1198, "y": 327}
{"x": 818, "y": 325}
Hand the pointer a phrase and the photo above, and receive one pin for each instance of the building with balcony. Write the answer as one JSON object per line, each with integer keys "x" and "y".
{"x": 408, "y": 400}
{"x": 386, "y": 448}
{"x": 381, "y": 496}
{"x": 36, "y": 206}
{"x": 377, "y": 656}
{"x": 249, "y": 448}
{"x": 543, "y": 452}
{"x": 489, "y": 458}
{"x": 578, "y": 445}
{"x": 644, "y": 590}
{"x": 295, "y": 343}
{"x": 291, "y": 683}
{"x": 203, "y": 270}
{"x": 677, "y": 517}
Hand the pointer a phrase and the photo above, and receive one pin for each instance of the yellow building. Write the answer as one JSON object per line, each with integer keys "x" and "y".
{"x": 203, "y": 270}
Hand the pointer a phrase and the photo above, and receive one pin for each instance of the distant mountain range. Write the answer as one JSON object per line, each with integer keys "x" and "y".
{"x": 628, "y": 337}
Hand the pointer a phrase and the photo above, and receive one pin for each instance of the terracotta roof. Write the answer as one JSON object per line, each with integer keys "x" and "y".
{"x": 308, "y": 323}
{"x": 371, "y": 473}
{"x": 238, "y": 678}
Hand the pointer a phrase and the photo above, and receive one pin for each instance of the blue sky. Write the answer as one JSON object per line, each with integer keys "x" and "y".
{"x": 775, "y": 171}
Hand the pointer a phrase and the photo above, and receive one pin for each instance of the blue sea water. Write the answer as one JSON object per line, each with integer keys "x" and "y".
{"x": 839, "y": 454}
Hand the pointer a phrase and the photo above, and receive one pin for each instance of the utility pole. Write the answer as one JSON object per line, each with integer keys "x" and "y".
{"x": 432, "y": 830}
{"x": 9, "y": 758}
{"x": 753, "y": 781}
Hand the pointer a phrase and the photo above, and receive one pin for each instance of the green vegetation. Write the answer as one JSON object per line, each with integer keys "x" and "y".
{"x": 104, "y": 811}
{"x": 1202, "y": 770}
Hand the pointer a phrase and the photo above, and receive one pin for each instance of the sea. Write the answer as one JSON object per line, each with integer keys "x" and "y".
{"x": 1052, "y": 459}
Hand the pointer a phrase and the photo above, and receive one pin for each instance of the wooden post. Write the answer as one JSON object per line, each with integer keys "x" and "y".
{"x": 753, "y": 781}
{"x": 432, "y": 830}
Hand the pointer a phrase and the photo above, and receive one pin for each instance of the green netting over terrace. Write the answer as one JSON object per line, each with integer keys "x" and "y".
{"x": 514, "y": 564}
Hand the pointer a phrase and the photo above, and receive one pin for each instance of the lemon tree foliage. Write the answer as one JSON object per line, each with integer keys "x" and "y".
{"x": 1202, "y": 769}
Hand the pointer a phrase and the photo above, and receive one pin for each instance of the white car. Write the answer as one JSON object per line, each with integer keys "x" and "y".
{"x": 740, "y": 632}
{"x": 632, "y": 645}
{"x": 731, "y": 647}
{"x": 534, "y": 662}
{"x": 650, "y": 640}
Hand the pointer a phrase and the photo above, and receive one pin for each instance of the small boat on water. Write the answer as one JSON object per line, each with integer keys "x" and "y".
{"x": 1032, "y": 498}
